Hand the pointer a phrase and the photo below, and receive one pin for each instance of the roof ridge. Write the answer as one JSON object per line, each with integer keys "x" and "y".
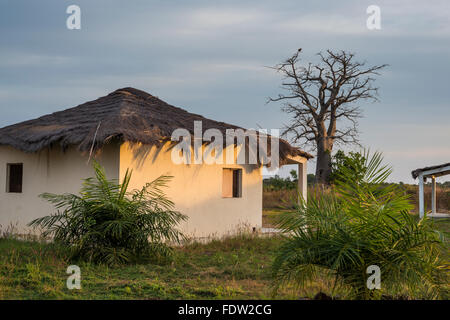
{"x": 134, "y": 92}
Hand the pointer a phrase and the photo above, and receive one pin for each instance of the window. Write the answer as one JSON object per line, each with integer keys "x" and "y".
{"x": 232, "y": 183}
{"x": 14, "y": 176}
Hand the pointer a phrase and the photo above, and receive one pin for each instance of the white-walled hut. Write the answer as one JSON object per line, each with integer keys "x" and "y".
{"x": 423, "y": 174}
{"x": 130, "y": 129}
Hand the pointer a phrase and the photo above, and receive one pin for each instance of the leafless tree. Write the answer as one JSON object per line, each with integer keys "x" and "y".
{"x": 322, "y": 96}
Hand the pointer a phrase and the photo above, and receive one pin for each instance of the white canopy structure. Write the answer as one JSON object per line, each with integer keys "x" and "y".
{"x": 430, "y": 172}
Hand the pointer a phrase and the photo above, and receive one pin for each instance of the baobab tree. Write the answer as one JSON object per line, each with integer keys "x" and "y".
{"x": 323, "y": 100}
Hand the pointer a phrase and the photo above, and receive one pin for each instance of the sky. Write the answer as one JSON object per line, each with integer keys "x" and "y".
{"x": 211, "y": 58}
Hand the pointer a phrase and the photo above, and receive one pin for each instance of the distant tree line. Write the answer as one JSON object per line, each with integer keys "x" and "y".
{"x": 276, "y": 182}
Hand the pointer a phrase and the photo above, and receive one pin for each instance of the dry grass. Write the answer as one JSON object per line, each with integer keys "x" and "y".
{"x": 283, "y": 199}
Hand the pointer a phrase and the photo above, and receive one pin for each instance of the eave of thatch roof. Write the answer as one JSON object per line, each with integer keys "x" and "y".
{"x": 126, "y": 114}
{"x": 437, "y": 169}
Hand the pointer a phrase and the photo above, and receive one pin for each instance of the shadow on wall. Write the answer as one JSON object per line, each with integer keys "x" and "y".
{"x": 197, "y": 189}
{"x": 142, "y": 153}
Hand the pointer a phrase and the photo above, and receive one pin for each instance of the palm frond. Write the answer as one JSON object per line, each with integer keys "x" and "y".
{"x": 109, "y": 224}
{"x": 365, "y": 222}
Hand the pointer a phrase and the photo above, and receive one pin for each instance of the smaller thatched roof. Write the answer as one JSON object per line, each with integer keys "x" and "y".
{"x": 437, "y": 170}
{"x": 126, "y": 114}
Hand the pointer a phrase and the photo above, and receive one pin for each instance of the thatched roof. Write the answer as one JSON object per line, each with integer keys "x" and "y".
{"x": 126, "y": 114}
{"x": 437, "y": 170}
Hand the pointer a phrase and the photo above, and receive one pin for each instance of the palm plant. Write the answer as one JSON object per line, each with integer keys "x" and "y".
{"x": 365, "y": 222}
{"x": 108, "y": 224}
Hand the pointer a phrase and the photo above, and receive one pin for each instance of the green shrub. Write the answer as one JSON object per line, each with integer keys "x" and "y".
{"x": 353, "y": 163}
{"x": 108, "y": 224}
{"x": 367, "y": 224}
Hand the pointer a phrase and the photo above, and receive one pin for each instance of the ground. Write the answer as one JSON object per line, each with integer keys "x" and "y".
{"x": 270, "y": 215}
{"x": 236, "y": 268}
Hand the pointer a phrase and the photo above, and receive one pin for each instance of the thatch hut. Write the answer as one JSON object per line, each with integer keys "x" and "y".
{"x": 129, "y": 128}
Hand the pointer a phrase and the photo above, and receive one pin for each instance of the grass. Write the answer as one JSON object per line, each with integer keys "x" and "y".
{"x": 269, "y": 216}
{"x": 234, "y": 268}
{"x": 443, "y": 225}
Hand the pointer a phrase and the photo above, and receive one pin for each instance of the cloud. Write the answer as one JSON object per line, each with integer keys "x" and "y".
{"x": 24, "y": 59}
{"x": 210, "y": 19}
{"x": 324, "y": 23}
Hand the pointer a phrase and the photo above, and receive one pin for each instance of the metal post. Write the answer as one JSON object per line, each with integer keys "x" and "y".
{"x": 421, "y": 197}
{"x": 433, "y": 194}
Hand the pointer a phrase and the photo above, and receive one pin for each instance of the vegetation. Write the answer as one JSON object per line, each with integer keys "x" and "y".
{"x": 108, "y": 224}
{"x": 282, "y": 199}
{"x": 353, "y": 163}
{"x": 276, "y": 183}
{"x": 233, "y": 268}
{"x": 368, "y": 224}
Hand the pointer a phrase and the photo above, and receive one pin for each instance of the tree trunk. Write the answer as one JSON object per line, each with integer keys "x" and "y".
{"x": 323, "y": 166}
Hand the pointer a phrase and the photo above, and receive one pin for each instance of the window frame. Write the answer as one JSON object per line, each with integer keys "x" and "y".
{"x": 19, "y": 187}
{"x": 234, "y": 184}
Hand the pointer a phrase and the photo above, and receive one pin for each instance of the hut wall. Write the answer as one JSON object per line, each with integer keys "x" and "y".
{"x": 51, "y": 171}
{"x": 196, "y": 190}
